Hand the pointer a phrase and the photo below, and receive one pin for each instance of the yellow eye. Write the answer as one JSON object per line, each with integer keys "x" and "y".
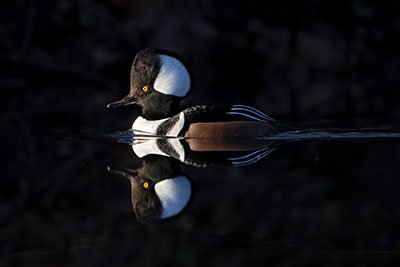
{"x": 146, "y": 185}
{"x": 145, "y": 88}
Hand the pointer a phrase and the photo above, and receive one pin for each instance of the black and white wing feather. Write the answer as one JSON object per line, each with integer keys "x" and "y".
{"x": 252, "y": 157}
{"x": 249, "y": 112}
{"x": 220, "y": 113}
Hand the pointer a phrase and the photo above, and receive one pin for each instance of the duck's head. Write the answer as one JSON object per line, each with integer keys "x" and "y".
{"x": 159, "y": 81}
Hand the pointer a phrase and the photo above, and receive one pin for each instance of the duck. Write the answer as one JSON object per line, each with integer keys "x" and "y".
{"x": 161, "y": 79}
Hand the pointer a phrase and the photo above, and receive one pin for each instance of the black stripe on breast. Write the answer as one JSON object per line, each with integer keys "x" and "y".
{"x": 164, "y": 127}
{"x": 167, "y": 148}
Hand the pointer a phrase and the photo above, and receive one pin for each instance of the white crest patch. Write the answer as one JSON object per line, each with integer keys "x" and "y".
{"x": 173, "y": 78}
{"x": 174, "y": 195}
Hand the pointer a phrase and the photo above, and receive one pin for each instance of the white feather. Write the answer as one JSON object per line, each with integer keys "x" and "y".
{"x": 174, "y": 195}
{"x": 150, "y": 146}
{"x": 147, "y": 126}
{"x": 173, "y": 78}
{"x": 176, "y": 129}
{"x": 178, "y": 147}
{"x": 151, "y": 126}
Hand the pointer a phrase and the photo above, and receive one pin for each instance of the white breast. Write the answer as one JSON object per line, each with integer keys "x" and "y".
{"x": 173, "y": 77}
{"x": 147, "y": 126}
{"x": 176, "y": 129}
{"x": 149, "y": 145}
{"x": 144, "y": 126}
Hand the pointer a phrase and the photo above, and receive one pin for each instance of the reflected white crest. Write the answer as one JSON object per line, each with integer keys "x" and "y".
{"x": 174, "y": 195}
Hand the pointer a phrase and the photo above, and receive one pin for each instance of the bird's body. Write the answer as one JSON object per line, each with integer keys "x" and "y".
{"x": 211, "y": 121}
{"x": 231, "y": 129}
{"x": 160, "y": 80}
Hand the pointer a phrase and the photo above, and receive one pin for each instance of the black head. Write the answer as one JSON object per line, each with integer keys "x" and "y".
{"x": 159, "y": 81}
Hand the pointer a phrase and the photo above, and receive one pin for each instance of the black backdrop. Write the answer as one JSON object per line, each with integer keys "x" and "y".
{"x": 61, "y": 62}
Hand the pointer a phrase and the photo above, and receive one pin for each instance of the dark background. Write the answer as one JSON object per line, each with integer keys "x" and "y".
{"x": 61, "y": 62}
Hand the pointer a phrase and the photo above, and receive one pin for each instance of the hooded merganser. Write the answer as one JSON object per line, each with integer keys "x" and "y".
{"x": 160, "y": 79}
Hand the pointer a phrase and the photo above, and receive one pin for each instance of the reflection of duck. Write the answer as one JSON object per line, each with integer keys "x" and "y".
{"x": 160, "y": 80}
{"x": 160, "y": 191}
{"x": 205, "y": 152}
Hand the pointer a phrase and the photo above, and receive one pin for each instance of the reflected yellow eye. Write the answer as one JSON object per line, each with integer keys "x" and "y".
{"x": 146, "y": 185}
{"x": 145, "y": 88}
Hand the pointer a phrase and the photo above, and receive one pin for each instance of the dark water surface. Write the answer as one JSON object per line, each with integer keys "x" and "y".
{"x": 316, "y": 198}
{"x": 308, "y": 203}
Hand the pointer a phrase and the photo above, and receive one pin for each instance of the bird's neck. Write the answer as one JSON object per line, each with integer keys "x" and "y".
{"x": 158, "y": 111}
